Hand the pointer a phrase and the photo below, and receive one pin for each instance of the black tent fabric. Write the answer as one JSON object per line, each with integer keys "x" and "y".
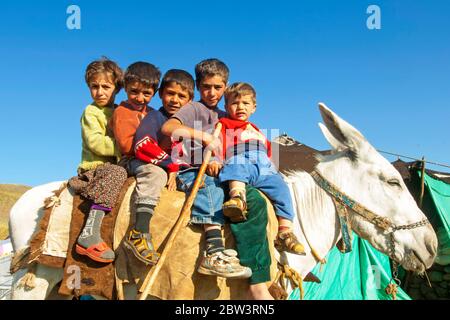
{"x": 294, "y": 155}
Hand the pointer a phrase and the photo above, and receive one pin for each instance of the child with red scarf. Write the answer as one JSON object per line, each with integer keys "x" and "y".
{"x": 246, "y": 153}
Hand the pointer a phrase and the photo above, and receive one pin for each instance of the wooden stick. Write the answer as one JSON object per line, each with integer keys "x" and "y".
{"x": 181, "y": 222}
{"x": 119, "y": 287}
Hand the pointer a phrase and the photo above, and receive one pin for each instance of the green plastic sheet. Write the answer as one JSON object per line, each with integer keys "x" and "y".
{"x": 362, "y": 274}
{"x": 437, "y": 201}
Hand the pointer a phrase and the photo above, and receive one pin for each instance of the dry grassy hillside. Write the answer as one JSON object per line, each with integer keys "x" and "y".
{"x": 9, "y": 193}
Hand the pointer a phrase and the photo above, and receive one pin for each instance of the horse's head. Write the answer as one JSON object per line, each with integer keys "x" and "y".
{"x": 359, "y": 171}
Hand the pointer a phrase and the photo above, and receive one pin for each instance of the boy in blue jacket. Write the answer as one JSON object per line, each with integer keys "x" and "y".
{"x": 153, "y": 151}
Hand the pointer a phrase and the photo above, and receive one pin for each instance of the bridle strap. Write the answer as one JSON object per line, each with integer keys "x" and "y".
{"x": 340, "y": 197}
{"x": 342, "y": 201}
{"x": 345, "y": 244}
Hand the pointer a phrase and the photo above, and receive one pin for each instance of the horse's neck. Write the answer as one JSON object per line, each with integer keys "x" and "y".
{"x": 316, "y": 224}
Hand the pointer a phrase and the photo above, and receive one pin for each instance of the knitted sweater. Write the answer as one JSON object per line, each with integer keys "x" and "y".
{"x": 125, "y": 121}
{"x": 98, "y": 146}
{"x": 152, "y": 146}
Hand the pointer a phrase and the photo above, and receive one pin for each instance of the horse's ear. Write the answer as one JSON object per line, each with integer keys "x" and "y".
{"x": 334, "y": 143}
{"x": 343, "y": 134}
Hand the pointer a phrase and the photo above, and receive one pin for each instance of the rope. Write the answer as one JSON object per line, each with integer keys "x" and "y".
{"x": 28, "y": 281}
{"x": 426, "y": 161}
{"x": 286, "y": 273}
{"x": 392, "y": 290}
{"x": 428, "y": 279}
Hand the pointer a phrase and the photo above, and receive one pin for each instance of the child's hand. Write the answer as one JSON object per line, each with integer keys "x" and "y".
{"x": 172, "y": 181}
{"x": 211, "y": 143}
{"x": 213, "y": 168}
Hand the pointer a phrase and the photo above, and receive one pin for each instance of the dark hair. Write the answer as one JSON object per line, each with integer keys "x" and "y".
{"x": 104, "y": 65}
{"x": 143, "y": 72}
{"x": 210, "y": 68}
{"x": 239, "y": 89}
{"x": 181, "y": 77}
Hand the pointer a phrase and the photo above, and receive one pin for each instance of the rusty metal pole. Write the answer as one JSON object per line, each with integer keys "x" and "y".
{"x": 422, "y": 184}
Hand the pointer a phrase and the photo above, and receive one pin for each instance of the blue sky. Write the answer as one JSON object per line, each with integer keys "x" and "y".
{"x": 392, "y": 84}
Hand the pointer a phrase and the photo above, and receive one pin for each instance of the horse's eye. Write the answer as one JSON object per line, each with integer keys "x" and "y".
{"x": 394, "y": 182}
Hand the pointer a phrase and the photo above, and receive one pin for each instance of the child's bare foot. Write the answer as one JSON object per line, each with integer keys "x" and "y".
{"x": 259, "y": 292}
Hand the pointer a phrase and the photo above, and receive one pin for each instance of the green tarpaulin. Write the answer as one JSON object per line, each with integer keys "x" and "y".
{"x": 437, "y": 201}
{"x": 362, "y": 274}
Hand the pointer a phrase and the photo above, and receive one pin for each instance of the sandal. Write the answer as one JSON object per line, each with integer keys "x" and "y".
{"x": 235, "y": 209}
{"x": 287, "y": 241}
{"x": 98, "y": 252}
{"x": 141, "y": 245}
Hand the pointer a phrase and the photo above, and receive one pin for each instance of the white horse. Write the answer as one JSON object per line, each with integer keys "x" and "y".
{"x": 381, "y": 209}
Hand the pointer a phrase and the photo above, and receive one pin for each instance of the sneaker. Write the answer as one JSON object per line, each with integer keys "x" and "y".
{"x": 141, "y": 245}
{"x": 287, "y": 241}
{"x": 224, "y": 264}
{"x": 235, "y": 209}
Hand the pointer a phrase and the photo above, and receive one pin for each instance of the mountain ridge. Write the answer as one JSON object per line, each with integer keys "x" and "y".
{"x": 9, "y": 194}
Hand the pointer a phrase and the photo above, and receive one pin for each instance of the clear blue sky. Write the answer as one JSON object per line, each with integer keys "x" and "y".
{"x": 392, "y": 84}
